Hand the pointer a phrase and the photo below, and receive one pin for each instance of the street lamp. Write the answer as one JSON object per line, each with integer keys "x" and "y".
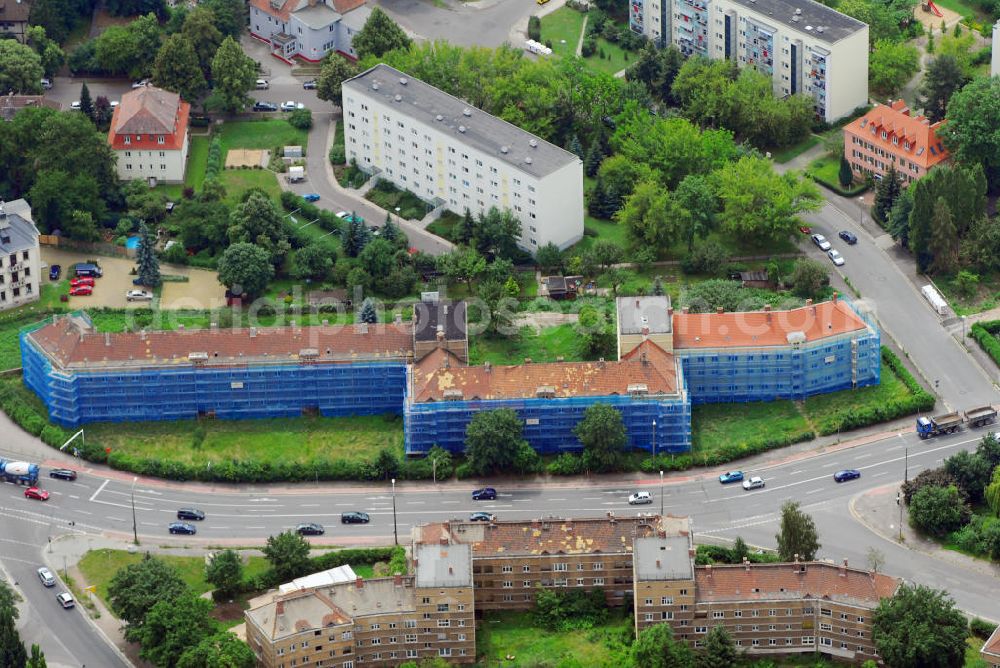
{"x": 654, "y": 439}
{"x": 395, "y": 535}
{"x": 661, "y": 493}
{"x": 861, "y": 210}
{"x": 963, "y": 330}
{"x": 906, "y": 459}
{"x": 135, "y": 530}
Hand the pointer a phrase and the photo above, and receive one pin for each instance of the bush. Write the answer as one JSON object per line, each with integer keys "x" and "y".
{"x": 985, "y": 335}
{"x": 589, "y": 47}
{"x": 565, "y": 610}
{"x": 301, "y": 119}
{"x": 337, "y": 155}
{"x": 708, "y": 257}
{"x": 535, "y": 28}
{"x": 981, "y": 628}
{"x": 565, "y": 464}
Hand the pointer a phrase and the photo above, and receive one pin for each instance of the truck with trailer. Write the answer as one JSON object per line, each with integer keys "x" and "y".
{"x": 949, "y": 423}
{"x": 22, "y": 473}
{"x": 977, "y": 417}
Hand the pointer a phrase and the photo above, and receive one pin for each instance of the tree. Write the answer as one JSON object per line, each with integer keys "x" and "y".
{"x": 720, "y": 650}
{"x": 225, "y": 572}
{"x": 943, "y": 77}
{"x": 378, "y": 257}
{"x": 602, "y": 433}
{"x": 367, "y": 312}
{"x": 355, "y": 237}
{"x": 245, "y": 269}
{"x": 887, "y": 191}
{"x": 462, "y": 264}
{"x": 314, "y": 261}
{"x": 496, "y": 233}
{"x": 200, "y": 30}
{"x": 891, "y": 65}
{"x": 11, "y": 648}
{"x": 549, "y": 257}
{"x": 898, "y": 223}
{"x": 992, "y": 493}
{"x": 233, "y": 74}
{"x": 499, "y": 305}
{"x": 86, "y": 103}
{"x": 136, "y": 588}
{"x": 592, "y": 161}
{"x": 989, "y": 449}
{"x": 844, "y": 175}
{"x": 938, "y": 477}
{"x": 944, "y": 238}
{"x": 172, "y": 626}
{"x": 809, "y": 278}
{"x": 230, "y": 16}
{"x": 129, "y": 49}
{"x": 67, "y": 202}
{"x": 970, "y": 472}
{"x": 652, "y": 218}
{"x": 973, "y": 113}
{"x": 148, "y": 265}
{"x": 876, "y": 558}
{"x": 695, "y": 208}
{"x": 222, "y": 650}
{"x": 256, "y": 220}
{"x": 919, "y": 627}
{"x": 937, "y": 511}
{"x": 379, "y": 35}
{"x": 37, "y": 658}
{"x": 655, "y": 647}
{"x": 575, "y": 147}
{"x": 176, "y": 68}
{"x": 49, "y": 53}
{"x": 288, "y": 553}
{"x": 21, "y": 68}
{"x": 492, "y": 439}
{"x": 797, "y": 536}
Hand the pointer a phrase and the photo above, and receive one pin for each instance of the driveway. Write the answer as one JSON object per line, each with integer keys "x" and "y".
{"x": 201, "y": 291}
{"x": 109, "y": 290}
{"x": 484, "y": 23}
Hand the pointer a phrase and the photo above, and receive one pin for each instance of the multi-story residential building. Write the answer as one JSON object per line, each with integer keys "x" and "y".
{"x": 644, "y": 319}
{"x": 11, "y": 104}
{"x": 646, "y": 385}
{"x": 441, "y": 324}
{"x": 376, "y": 622}
{"x": 990, "y": 652}
{"x": 889, "y": 136}
{"x": 453, "y": 155}
{"x": 308, "y": 29}
{"x": 803, "y": 46}
{"x": 149, "y": 134}
{"x": 14, "y": 19}
{"x": 20, "y": 260}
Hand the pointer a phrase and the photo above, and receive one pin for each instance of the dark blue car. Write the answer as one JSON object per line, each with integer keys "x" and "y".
{"x": 484, "y": 494}
{"x": 311, "y": 197}
{"x": 731, "y": 476}
{"x": 182, "y": 527}
{"x": 848, "y": 474}
{"x": 54, "y": 272}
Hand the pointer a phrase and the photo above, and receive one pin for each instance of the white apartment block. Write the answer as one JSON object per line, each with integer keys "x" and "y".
{"x": 20, "y": 259}
{"x": 449, "y": 153}
{"x": 804, "y": 46}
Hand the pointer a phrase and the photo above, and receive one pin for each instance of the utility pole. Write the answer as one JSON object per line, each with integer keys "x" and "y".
{"x": 395, "y": 535}
{"x": 135, "y": 530}
{"x": 654, "y": 438}
{"x": 661, "y": 493}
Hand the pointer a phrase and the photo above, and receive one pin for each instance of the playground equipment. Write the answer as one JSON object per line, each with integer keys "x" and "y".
{"x": 929, "y": 6}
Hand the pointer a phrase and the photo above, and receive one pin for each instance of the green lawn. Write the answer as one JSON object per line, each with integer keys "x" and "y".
{"x": 444, "y": 226}
{"x": 301, "y": 440}
{"x": 197, "y": 161}
{"x": 615, "y": 58}
{"x": 552, "y": 342}
{"x": 715, "y": 425}
{"x": 825, "y": 411}
{"x": 260, "y": 134}
{"x": 237, "y": 181}
{"x": 783, "y": 155}
{"x": 563, "y": 27}
{"x": 514, "y": 634}
{"x": 826, "y": 171}
{"x": 395, "y": 200}
{"x": 983, "y": 298}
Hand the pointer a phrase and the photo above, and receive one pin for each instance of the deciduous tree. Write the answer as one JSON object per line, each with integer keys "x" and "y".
{"x": 176, "y": 68}
{"x": 798, "y": 535}
{"x": 602, "y": 433}
{"x": 21, "y": 68}
{"x": 314, "y": 261}
{"x": 379, "y": 35}
{"x": 937, "y": 511}
{"x": 256, "y": 220}
{"x": 970, "y": 472}
{"x": 492, "y": 439}
{"x": 172, "y": 626}
{"x": 335, "y": 71}
{"x": 809, "y": 278}
{"x": 288, "y": 554}
{"x": 225, "y": 572}
{"x": 233, "y": 74}
{"x": 891, "y": 65}
{"x": 37, "y": 658}
{"x": 136, "y": 588}
{"x": 222, "y": 650}
{"x": 919, "y": 627}
{"x": 51, "y": 56}
{"x": 200, "y": 30}
{"x": 246, "y": 269}
{"x": 655, "y": 647}
{"x": 973, "y": 115}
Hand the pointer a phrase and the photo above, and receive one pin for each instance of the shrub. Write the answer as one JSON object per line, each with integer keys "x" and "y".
{"x": 301, "y": 119}
{"x": 985, "y": 335}
{"x": 981, "y": 628}
{"x": 535, "y": 28}
{"x": 589, "y": 47}
{"x": 565, "y": 610}
{"x": 565, "y": 464}
{"x": 707, "y": 257}
{"x": 337, "y": 155}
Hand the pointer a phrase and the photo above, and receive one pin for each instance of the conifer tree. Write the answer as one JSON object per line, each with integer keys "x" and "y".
{"x": 86, "y": 102}
{"x": 145, "y": 256}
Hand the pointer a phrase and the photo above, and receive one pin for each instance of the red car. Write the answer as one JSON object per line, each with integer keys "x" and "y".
{"x": 36, "y": 493}
{"x": 81, "y": 290}
{"x": 81, "y": 280}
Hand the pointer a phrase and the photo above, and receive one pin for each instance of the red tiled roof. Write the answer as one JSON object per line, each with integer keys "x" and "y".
{"x": 289, "y": 6}
{"x": 896, "y": 121}
{"x": 145, "y": 114}
{"x": 73, "y": 346}
{"x": 647, "y": 364}
{"x": 992, "y": 646}
{"x": 761, "y": 582}
{"x": 763, "y": 328}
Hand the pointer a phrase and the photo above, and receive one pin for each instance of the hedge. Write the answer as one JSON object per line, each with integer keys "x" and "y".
{"x": 395, "y": 556}
{"x": 985, "y": 335}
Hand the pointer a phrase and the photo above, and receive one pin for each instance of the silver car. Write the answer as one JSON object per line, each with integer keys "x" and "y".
{"x": 139, "y": 296}
{"x": 45, "y": 575}
{"x": 755, "y": 482}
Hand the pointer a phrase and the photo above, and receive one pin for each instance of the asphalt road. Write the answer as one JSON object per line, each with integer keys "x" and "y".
{"x": 484, "y": 23}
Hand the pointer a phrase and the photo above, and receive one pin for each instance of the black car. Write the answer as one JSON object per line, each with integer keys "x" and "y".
{"x": 310, "y": 85}
{"x": 190, "y": 514}
{"x": 310, "y": 529}
{"x": 182, "y": 527}
{"x": 54, "y": 272}
{"x": 844, "y": 476}
{"x": 265, "y": 106}
{"x": 484, "y": 494}
{"x": 354, "y": 518}
{"x": 849, "y": 237}
{"x": 62, "y": 474}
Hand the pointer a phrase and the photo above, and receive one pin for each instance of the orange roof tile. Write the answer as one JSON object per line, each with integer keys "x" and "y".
{"x": 761, "y": 582}
{"x": 992, "y": 646}
{"x": 925, "y": 149}
{"x": 287, "y": 7}
{"x": 145, "y": 114}
{"x": 73, "y": 344}
{"x": 763, "y": 328}
{"x": 440, "y": 372}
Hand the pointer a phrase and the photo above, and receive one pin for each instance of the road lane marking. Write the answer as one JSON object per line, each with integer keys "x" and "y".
{"x": 74, "y": 496}
{"x": 100, "y": 489}
{"x": 255, "y": 527}
{"x": 826, "y": 466}
{"x": 795, "y": 472}
{"x": 867, "y": 454}
{"x": 813, "y": 491}
{"x": 875, "y": 475}
{"x": 309, "y": 505}
{"x": 555, "y": 499}
{"x": 81, "y": 511}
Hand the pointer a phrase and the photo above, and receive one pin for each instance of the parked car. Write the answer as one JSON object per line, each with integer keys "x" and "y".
{"x": 849, "y": 237}
{"x": 113, "y": 104}
{"x": 45, "y": 575}
{"x": 343, "y": 215}
{"x": 731, "y": 476}
{"x": 482, "y": 517}
{"x": 262, "y": 84}
{"x": 312, "y": 84}
{"x": 846, "y": 474}
{"x": 63, "y": 474}
{"x": 836, "y": 258}
{"x": 311, "y": 197}
{"x": 138, "y": 296}
{"x": 47, "y": 84}
{"x": 755, "y": 482}
{"x": 265, "y": 106}
{"x": 639, "y": 498}
{"x": 140, "y": 83}
{"x": 292, "y": 105}
{"x": 354, "y": 517}
{"x": 87, "y": 269}
{"x": 821, "y": 241}
{"x": 310, "y": 529}
{"x": 65, "y": 599}
{"x": 484, "y": 494}
{"x": 190, "y": 514}
{"x": 55, "y": 271}
{"x": 182, "y": 527}
{"x": 805, "y": 229}
{"x": 75, "y": 105}
{"x": 81, "y": 290}
{"x": 36, "y": 493}
{"x": 81, "y": 280}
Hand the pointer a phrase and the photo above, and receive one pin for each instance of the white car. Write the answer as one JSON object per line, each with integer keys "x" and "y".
{"x": 755, "y": 482}
{"x": 262, "y": 84}
{"x": 639, "y": 498}
{"x": 821, "y": 241}
{"x": 45, "y": 575}
{"x": 836, "y": 258}
{"x": 292, "y": 106}
{"x": 75, "y": 105}
{"x": 65, "y": 599}
{"x": 343, "y": 214}
{"x": 113, "y": 104}
{"x": 138, "y": 296}
{"x": 140, "y": 84}
{"x": 47, "y": 84}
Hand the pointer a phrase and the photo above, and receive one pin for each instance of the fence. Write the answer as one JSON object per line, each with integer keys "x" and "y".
{"x": 91, "y": 247}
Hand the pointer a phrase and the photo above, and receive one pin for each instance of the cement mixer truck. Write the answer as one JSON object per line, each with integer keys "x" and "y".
{"x": 23, "y": 473}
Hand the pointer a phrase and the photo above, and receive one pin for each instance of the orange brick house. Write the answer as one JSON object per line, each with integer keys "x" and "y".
{"x": 149, "y": 134}
{"x": 889, "y": 135}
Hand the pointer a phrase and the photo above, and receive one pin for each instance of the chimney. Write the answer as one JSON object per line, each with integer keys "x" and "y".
{"x": 253, "y": 332}
{"x": 443, "y": 540}
{"x": 637, "y": 303}
{"x": 692, "y": 553}
{"x": 708, "y": 570}
{"x": 670, "y": 313}
{"x": 487, "y": 366}
{"x": 719, "y": 310}
{"x": 397, "y": 318}
{"x": 214, "y": 326}
{"x": 180, "y": 328}
{"x": 527, "y": 360}
{"x": 279, "y": 608}
{"x": 451, "y": 570}
{"x": 746, "y": 564}
{"x": 446, "y": 311}
{"x": 809, "y": 302}
{"x": 836, "y": 295}
{"x": 397, "y": 580}
{"x": 645, "y": 331}
{"x": 107, "y": 339}
{"x": 440, "y": 333}
{"x": 363, "y": 327}
{"x": 843, "y": 569}
{"x": 685, "y": 310}
{"x": 359, "y": 583}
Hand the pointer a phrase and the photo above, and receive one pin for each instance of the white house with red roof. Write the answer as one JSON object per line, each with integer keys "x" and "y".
{"x": 307, "y": 29}
{"x": 149, "y": 134}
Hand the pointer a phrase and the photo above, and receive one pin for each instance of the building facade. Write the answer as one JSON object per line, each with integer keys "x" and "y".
{"x": 803, "y": 46}
{"x": 455, "y": 156}
{"x": 888, "y": 136}
{"x": 14, "y": 19}
{"x": 20, "y": 260}
{"x": 149, "y": 134}
{"x": 308, "y": 29}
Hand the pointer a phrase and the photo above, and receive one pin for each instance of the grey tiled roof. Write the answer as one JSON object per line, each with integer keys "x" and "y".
{"x": 822, "y": 22}
{"x": 427, "y": 316}
{"x": 22, "y": 232}
{"x": 432, "y": 106}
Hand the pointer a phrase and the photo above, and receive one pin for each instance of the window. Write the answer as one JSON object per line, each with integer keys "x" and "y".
{"x": 444, "y": 623}
{"x": 667, "y": 600}
{"x": 525, "y": 569}
{"x": 442, "y": 607}
{"x": 508, "y": 584}
{"x": 826, "y": 642}
{"x": 506, "y": 569}
{"x": 718, "y": 614}
{"x": 526, "y": 583}
{"x": 409, "y": 623}
{"x": 737, "y": 613}
{"x": 649, "y": 601}
{"x": 598, "y": 582}
{"x": 410, "y": 637}
{"x": 160, "y": 139}
{"x": 374, "y": 627}
{"x": 559, "y": 567}
{"x": 808, "y": 640}
{"x": 649, "y": 616}
{"x": 701, "y": 629}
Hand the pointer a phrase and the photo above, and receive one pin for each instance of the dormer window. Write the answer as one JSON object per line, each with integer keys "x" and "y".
{"x": 885, "y": 134}
{"x": 159, "y": 139}
{"x": 895, "y": 140}
{"x": 128, "y": 140}
{"x": 906, "y": 145}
